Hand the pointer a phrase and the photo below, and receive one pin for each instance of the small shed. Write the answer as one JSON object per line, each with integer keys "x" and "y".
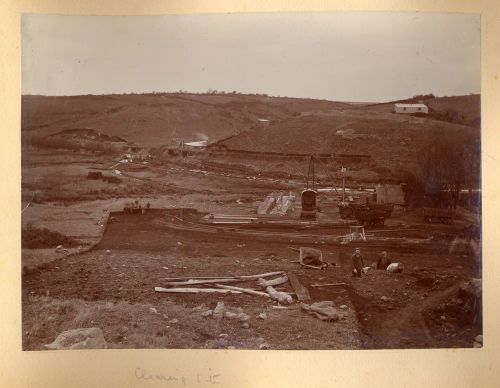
{"x": 411, "y": 108}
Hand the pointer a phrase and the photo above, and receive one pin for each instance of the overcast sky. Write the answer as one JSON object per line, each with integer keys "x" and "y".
{"x": 335, "y": 56}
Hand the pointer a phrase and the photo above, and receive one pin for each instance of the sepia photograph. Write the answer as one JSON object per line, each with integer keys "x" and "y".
{"x": 267, "y": 181}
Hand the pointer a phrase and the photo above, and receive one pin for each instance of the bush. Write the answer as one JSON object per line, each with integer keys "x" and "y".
{"x": 33, "y": 238}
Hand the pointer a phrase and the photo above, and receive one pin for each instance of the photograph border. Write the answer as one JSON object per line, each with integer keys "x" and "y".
{"x": 440, "y": 367}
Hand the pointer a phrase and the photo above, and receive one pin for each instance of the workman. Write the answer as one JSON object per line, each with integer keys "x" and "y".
{"x": 357, "y": 263}
{"x": 383, "y": 261}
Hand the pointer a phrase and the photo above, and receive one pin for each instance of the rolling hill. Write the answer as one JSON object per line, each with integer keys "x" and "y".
{"x": 260, "y": 123}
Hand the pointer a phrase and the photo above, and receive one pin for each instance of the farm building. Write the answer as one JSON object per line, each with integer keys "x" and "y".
{"x": 410, "y": 108}
{"x": 195, "y": 144}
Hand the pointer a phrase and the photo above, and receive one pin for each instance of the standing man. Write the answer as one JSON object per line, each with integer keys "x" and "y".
{"x": 357, "y": 263}
{"x": 383, "y": 261}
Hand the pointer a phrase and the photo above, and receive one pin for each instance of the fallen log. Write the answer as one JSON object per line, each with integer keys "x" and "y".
{"x": 255, "y": 277}
{"x": 313, "y": 266}
{"x": 249, "y": 277}
{"x": 273, "y": 282}
{"x": 281, "y": 297}
{"x": 196, "y": 290}
{"x": 329, "y": 284}
{"x": 203, "y": 281}
{"x": 243, "y": 290}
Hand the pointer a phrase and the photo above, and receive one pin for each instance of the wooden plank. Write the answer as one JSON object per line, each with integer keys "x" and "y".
{"x": 204, "y": 281}
{"x": 240, "y": 277}
{"x": 255, "y": 277}
{"x": 196, "y": 290}
{"x": 244, "y": 290}
{"x": 301, "y": 291}
{"x": 273, "y": 282}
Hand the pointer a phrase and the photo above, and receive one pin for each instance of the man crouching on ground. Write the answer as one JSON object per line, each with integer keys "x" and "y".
{"x": 357, "y": 263}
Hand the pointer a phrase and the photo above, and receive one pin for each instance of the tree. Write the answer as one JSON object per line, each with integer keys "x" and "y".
{"x": 450, "y": 161}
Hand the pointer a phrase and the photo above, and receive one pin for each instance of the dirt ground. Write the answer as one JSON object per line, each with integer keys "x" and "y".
{"x": 87, "y": 287}
{"x": 116, "y": 293}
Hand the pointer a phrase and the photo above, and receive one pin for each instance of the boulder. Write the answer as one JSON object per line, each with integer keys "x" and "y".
{"x": 85, "y": 338}
{"x": 322, "y": 310}
{"x": 311, "y": 256}
{"x": 219, "y": 310}
{"x": 395, "y": 268}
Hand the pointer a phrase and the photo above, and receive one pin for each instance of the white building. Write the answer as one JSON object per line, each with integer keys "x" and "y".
{"x": 195, "y": 144}
{"x": 410, "y": 108}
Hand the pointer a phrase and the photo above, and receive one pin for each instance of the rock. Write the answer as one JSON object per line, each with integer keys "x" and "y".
{"x": 264, "y": 346}
{"x": 323, "y": 310}
{"x": 173, "y": 321}
{"x": 479, "y": 338}
{"x": 230, "y": 315}
{"x": 459, "y": 267}
{"x": 262, "y": 316}
{"x": 443, "y": 317}
{"x": 231, "y": 347}
{"x": 245, "y": 325}
{"x": 310, "y": 256}
{"x": 242, "y": 317}
{"x": 477, "y": 345}
{"x": 219, "y": 310}
{"x": 207, "y": 313}
{"x": 108, "y": 252}
{"x": 395, "y": 268}
{"x": 223, "y": 335}
{"x": 384, "y": 298}
{"x": 153, "y": 310}
{"x": 85, "y": 338}
{"x": 343, "y": 306}
{"x": 472, "y": 288}
{"x": 179, "y": 243}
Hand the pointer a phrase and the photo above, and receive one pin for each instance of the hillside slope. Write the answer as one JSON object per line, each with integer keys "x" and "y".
{"x": 260, "y": 123}
{"x": 159, "y": 119}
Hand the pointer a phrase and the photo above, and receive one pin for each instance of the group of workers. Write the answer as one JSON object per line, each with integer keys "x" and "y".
{"x": 358, "y": 264}
{"x": 135, "y": 207}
